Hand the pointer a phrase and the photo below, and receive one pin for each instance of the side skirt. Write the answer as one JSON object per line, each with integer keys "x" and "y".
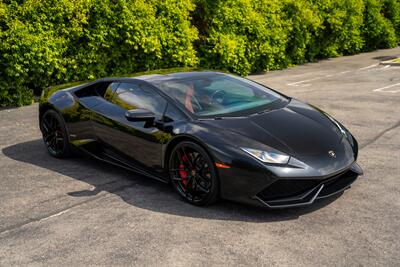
{"x": 106, "y": 157}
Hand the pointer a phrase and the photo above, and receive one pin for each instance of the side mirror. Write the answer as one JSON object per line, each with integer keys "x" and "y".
{"x": 140, "y": 114}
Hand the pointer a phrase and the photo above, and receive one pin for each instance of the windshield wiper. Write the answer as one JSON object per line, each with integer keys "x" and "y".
{"x": 263, "y": 111}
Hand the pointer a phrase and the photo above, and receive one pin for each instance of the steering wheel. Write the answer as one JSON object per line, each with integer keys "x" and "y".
{"x": 218, "y": 96}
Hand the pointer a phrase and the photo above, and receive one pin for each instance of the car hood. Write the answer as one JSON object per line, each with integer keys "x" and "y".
{"x": 298, "y": 130}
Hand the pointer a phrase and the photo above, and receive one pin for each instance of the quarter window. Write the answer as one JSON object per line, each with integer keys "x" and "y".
{"x": 133, "y": 96}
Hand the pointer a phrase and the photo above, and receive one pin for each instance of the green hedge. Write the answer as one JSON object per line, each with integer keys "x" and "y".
{"x": 247, "y": 36}
{"x": 46, "y": 42}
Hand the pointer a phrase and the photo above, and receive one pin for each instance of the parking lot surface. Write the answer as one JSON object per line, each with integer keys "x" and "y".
{"x": 83, "y": 212}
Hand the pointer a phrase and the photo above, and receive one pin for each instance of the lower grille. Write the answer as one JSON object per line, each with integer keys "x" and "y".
{"x": 286, "y": 188}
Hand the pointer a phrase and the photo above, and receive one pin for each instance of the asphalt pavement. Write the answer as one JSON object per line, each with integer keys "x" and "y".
{"x": 83, "y": 212}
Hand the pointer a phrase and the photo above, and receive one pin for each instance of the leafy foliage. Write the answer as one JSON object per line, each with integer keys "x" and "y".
{"x": 246, "y": 36}
{"x": 391, "y": 11}
{"x": 342, "y": 27}
{"x": 56, "y": 41}
{"x": 47, "y": 42}
{"x": 379, "y": 31}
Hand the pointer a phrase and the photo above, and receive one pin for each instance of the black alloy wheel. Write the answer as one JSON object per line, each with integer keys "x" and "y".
{"x": 193, "y": 174}
{"x": 54, "y": 134}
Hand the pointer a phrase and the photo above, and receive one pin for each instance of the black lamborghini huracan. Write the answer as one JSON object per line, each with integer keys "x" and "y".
{"x": 210, "y": 134}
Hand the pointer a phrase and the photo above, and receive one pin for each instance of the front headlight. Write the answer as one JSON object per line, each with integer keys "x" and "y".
{"x": 267, "y": 157}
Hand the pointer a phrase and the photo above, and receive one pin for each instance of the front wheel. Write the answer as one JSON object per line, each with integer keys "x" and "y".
{"x": 193, "y": 174}
{"x": 55, "y": 134}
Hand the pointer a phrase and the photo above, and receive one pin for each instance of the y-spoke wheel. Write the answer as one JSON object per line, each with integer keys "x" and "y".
{"x": 193, "y": 174}
{"x": 54, "y": 134}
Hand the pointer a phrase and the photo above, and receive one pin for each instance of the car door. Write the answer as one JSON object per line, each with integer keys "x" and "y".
{"x": 141, "y": 142}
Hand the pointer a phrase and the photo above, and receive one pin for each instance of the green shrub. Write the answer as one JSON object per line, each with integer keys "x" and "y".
{"x": 47, "y": 42}
{"x": 391, "y": 11}
{"x": 341, "y": 32}
{"x": 132, "y": 36}
{"x": 304, "y": 26}
{"x": 56, "y": 41}
{"x": 378, "y": 30}
{"x": 244, "y": 36}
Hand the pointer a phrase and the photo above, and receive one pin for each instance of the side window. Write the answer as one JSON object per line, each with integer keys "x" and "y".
{"x": 95, "y": 89}
{"x": 173, "y": 114}
{"x": 109, "y": 91}
{"x": 134, "y": 96}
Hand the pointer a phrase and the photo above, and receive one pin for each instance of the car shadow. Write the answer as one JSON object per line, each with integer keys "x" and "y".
{"x": 143, "y": 192}
{"x": 384, "y": 58}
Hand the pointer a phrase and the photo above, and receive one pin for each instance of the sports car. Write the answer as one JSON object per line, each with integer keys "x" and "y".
{"x": 210, "y": 134}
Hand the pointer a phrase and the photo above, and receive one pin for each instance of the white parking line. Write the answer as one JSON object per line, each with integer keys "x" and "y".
{"x": 368, "y": 67}
{"x": 382, "y": 89}
{"x": 304, "y": 83}
{"x": 384, "y": 67}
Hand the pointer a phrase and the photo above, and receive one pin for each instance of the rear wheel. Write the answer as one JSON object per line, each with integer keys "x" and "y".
{"x": 193, "y": 174}
{"x": 55, "y": 134}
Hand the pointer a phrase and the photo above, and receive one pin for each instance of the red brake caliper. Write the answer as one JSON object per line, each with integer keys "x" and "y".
{"x": 183, "y": 173}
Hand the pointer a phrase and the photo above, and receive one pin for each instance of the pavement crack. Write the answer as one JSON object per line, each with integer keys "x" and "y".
{"x": 373, "y": 140}
{"x": 66, "y": 209}
{"x": 46, "y": 216}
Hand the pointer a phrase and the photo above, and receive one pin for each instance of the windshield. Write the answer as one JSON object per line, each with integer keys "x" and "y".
{"x": 222, "y": 95}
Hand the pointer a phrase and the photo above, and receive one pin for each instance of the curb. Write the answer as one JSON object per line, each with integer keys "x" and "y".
{"x": 390, "y": 62}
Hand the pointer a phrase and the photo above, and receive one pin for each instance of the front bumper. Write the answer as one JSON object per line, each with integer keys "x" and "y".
{"x": 285, "y": 193}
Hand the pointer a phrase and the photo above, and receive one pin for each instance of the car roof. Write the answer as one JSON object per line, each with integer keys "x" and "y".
{"x": 154, "y": 77}
{"x": 177, "y": 76}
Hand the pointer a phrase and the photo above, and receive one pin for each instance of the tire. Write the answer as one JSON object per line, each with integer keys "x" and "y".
{"x": 193, "y": 174}
{"x": 55, "y": 136}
